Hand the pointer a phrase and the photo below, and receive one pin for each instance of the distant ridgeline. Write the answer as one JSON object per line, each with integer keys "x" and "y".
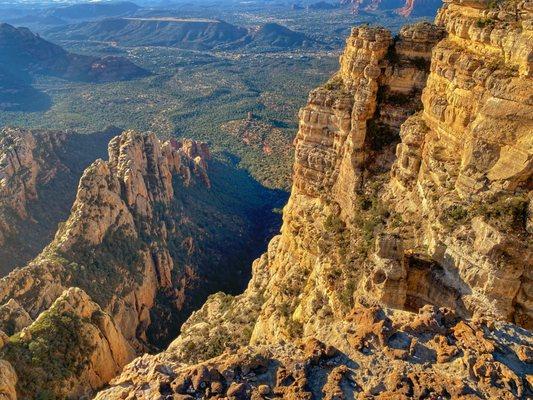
{"x": 406, "y": 8}
{"x": 197, "y": 34}
{"x": 23, "y": 54}
{"x": 94, "y": 10}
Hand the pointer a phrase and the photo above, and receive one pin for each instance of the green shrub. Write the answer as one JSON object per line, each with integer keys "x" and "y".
{"x": 506, "y": 213}
{"x": 99, "y": 270}
{"x": 494, "y": 4}
{"x": 370, "y": 218}
{"x": 56, "y": 351}
{"x": 346, "y": 295}
{"x": 483, "y": 22}
{"x": 455, "y": 215}
{"x": 334, "y": 224}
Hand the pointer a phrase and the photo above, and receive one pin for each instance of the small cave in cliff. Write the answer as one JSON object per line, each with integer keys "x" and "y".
{"x": 426, "y": 284}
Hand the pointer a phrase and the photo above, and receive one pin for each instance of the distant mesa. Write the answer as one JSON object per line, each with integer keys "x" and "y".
{"x": 68, "y": 14}
{"x": 185, "y": 33}
{"x": 198, "y": 34}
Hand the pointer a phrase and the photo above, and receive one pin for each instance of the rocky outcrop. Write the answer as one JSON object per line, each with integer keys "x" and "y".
{"x": 357, "y": 114}
{"x": 38, "y": 180}
{"x": 119, "y": 202}
{"x": 380, "y": 354}
{"x": 150, "y": 235}
{"x": 407, "y": 253}
{"x": 465, "y": 163}
{"x": 8, "y": 381}
{"x": 88, "y": 347}
{"x": 13, "y": 318}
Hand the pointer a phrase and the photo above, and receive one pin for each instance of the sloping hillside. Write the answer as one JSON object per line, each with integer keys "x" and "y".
{"x": 186, "y": 33}
{"x": 23, "y": 52}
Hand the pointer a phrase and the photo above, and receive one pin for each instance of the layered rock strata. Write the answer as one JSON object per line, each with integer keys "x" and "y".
{"x": 39, "y": 173}
{"x": 103, "y": 247}
{"x": 87, "y": 347}
{"x": 464, "y": 165}
{"x": 141, "y": 243}
{"x": 410, "y": 258}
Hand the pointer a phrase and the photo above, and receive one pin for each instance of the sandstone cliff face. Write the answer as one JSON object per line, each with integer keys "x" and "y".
{"x": 38, "y": 180}
{"x": 383, "y": 253}
{"x": 101, "y": 248}
{"x": 147, "y": 240}
{"x": 356, "y": 234}
{"x": 340, "y": 161}
{"x": 88, "y": 349}
{"x": 465, "y": 163}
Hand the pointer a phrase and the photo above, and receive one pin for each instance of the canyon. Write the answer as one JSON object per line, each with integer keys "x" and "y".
{"x": 403, "y": 265}
{"x": 39, "y": 174}
{"x": 147, "y": 239}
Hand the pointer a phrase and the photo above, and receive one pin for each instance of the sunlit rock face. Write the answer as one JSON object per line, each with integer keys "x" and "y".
{"x": 138, "y": 244}
{"x": 402, "y": 266}
{"x": 464, "y": 165}
{"x": 405, "y": 240}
